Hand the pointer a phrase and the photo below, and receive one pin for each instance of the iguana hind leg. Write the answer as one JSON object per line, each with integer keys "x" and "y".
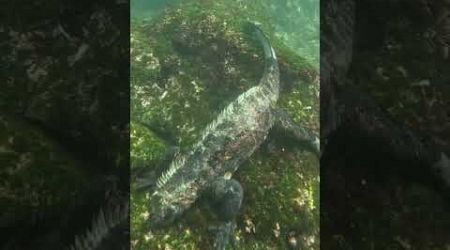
{"x": 226, "y": 199}
{"x": 290, "y": 131}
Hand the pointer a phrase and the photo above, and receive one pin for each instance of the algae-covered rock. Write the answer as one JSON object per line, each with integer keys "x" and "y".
{"x": 186, "y": 65}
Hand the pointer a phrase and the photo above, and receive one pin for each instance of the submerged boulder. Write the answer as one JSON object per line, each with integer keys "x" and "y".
{"x": 187, "y": 64}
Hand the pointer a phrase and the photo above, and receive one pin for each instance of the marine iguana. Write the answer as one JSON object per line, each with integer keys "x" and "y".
{"x": 224, "y": 145}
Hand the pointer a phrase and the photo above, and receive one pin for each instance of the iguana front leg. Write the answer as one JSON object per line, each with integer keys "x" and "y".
{"x": 144, "y": 178}
{"x": 226, "y": 199}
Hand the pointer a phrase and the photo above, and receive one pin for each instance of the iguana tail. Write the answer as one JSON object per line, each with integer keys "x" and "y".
{"x": 269, "y": 53}
{"x": 271, "y": 76}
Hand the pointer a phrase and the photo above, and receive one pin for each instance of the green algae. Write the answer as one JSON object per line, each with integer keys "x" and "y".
{"x": 189, "y": 63}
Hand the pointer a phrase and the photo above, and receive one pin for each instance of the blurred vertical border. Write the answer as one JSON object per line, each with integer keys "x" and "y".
{"x": 64, "y": 118}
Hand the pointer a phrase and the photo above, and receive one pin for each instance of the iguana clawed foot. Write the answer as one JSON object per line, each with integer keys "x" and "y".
{"x": 223, "y": 235}
{"x": 227, "y": 197}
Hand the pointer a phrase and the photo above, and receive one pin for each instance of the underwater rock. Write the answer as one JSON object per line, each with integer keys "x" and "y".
{"x": 187, "y": 65}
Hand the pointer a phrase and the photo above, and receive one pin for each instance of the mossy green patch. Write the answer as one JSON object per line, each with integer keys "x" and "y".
{"x": 187, "y": 65}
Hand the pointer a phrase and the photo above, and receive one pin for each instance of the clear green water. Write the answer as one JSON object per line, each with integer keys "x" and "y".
{"x": 296, "y": 22}
{"x": 147, "y": 9}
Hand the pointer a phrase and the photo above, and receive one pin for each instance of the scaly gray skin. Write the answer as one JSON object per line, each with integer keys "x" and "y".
{"x": 224, "y": 145}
